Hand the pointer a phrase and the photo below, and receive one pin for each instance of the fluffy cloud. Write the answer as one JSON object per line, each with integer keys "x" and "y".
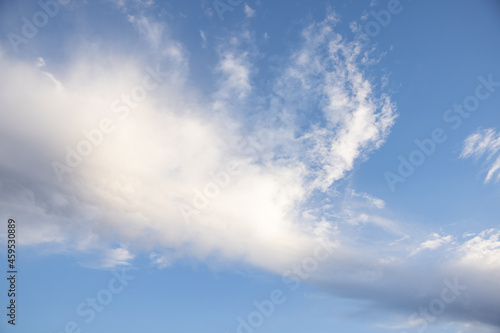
{"x": 148, "y": 183}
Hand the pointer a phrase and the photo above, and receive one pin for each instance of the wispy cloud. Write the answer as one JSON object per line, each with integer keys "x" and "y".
{"x": 325, "y": 74}
{"x": 484, "y": 142}
{"x": 433, "y": 243}
{"x": 249, "y": 12}
{"x": 203, "y": 39}
{"x": 152, "y": 31}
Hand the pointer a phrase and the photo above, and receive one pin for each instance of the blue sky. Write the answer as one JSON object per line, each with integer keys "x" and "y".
{"x": 231, "y": 166}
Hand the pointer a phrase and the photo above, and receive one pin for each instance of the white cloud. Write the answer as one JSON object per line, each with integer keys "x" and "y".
{"x": 376, "y": 202}
{"x": 203, "y": 39}
{"x": 481, "y": 143}
{"x": 40, "y": 62}
{"x": 116, "y": 257}
{"x": 324, "y": 73}
{"x": 152, "y": 31}
{"x": 482, "y": 251}
{"x": 133, "y": 183}
{"x": 236, "y": 75}
{"x": 249, "y": 12}
{"x": 435, "y": 242}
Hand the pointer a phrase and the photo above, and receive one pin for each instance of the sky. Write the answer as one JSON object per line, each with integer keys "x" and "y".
{"x": 260, "y": 166}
